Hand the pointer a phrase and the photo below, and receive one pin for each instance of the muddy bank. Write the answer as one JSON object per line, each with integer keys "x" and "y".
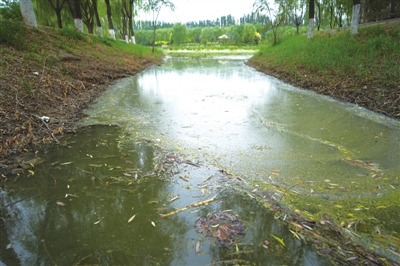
{"x": 363, "y": 93}
{"x": 57, "y": 77}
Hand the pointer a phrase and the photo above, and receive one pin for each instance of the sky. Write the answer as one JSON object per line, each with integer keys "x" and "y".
{"x": 195, "y": 10}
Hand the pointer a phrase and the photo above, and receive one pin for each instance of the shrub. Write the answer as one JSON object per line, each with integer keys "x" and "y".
{"x": 10, "y": 10}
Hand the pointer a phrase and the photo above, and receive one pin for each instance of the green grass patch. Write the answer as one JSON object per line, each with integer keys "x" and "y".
{"x": 373, "y": 53}
{"x": 12, "y": 34}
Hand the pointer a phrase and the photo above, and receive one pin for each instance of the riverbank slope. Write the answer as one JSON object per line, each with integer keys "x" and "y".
{"x": 363, "y": 70}
{"x": 54, "y": 73}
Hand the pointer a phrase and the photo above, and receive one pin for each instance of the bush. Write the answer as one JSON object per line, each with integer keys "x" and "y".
{"x": 12, "y": 33}
{"x": 10, "y": 10}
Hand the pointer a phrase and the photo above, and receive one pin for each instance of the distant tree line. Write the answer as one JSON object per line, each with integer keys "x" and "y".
{"x": 116, "y": 18}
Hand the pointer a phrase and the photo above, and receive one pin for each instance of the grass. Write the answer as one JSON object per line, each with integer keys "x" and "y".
{"x": 373, "y": 53}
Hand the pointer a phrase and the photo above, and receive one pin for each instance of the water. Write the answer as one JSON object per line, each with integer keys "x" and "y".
{"x": 218, "y": 112}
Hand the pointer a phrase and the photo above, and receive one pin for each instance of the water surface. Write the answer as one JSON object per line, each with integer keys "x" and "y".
{"x": 223, "y": 115}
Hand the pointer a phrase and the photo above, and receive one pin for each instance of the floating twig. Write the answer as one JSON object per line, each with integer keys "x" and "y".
{"x": 199, "y": 203}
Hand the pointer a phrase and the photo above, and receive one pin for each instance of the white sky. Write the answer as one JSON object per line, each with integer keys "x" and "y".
{"x": 195, "y": 10}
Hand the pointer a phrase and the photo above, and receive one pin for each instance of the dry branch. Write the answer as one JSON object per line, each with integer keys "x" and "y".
{"x": 199, "y": 203}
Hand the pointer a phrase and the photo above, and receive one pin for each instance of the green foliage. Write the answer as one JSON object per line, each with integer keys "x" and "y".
{"x": 178, "y": 33}
{"x": 159, "y": 43}
{"x": 248, "y": 33}
{"x": 12, "y": 33}
{"x": 10, "y": 10}
{"x": 72, "y": 34}
{"x": 372, "y": 51}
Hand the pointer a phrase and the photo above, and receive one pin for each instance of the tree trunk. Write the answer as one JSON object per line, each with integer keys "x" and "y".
{"x": 109, "y": 18}
{"x": 355, "y": 17}
{"x": 27, "y": 12}
{"x": 311, "y": 20}
{"x": 130, "y": 21}
{"x": 124, "y": 12}
{"x": 319, "y": 15}
{"x": 96, "y": 14}
{"x": 393, "y": 8}
{"x": 57, "y": 9}
{"x": 59, "y": 21}
{"x": 78, "y": 15}
{"x": 154, "y": 37}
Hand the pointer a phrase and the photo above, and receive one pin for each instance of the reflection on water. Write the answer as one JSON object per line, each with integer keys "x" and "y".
{"x": 76, "y": 207}
{"x": 250, "y": 122}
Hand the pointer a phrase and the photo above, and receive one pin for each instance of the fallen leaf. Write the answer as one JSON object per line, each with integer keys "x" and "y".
{"x": 65, "y": 163}
{"x": 9, "y": 246}
{"x": 280, "y": 240}
{"x": 198, "y": 247}
{"x": 295, "y": 234}
{"x": 31, "y": 172}
{"x": 152, "y": 223}
{"x": 97, "y": 222}
{"x": 131, "y": 219}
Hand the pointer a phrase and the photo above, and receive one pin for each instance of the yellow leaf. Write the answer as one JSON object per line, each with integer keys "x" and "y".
{"x": 31, "y": 172}
{"x": 97, "y": 222}
{"x": 381, "y": 207}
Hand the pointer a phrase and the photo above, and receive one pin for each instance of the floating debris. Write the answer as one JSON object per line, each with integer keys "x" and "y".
{"x": 225, "y": 227}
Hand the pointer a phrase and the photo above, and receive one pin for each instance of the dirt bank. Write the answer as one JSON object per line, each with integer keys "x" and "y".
{"x": 57, "y": 77}
{"x": 381, "y": 100}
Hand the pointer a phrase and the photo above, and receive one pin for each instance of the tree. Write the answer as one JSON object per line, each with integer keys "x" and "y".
{"x": 75, "y": 9}
{"x": 355, "y": 17}
{"x": 57, "y": 7}
{"x": 248, "y": 33}
{"x": 274, "y": 12}
{"x": 155, "y": 6}
{"x": 109, "y": 18}
{"x": 178, "y": 33}
{"x": 295, "y": 11}
{"x": 96, "y": 15}
{"x": 88, "y": 14}
{"x": 28, "y": 15}
{"x": 127, "y": 19}
{"x": 311, "y": 19}
{"x": 206, "y": 35}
